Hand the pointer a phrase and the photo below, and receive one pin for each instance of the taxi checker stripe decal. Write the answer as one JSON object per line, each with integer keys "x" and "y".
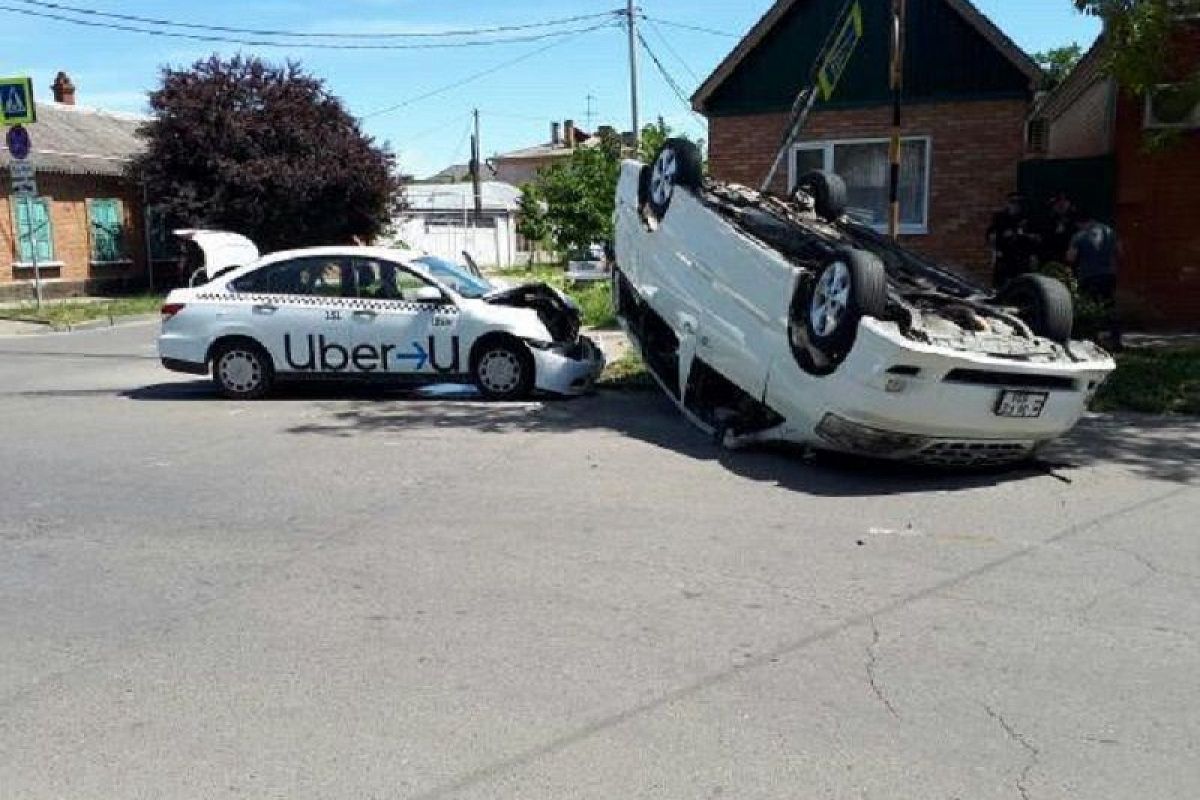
{"x": 335, "y": 302}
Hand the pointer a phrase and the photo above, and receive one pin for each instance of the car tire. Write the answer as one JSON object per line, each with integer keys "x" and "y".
{"x": 1044, "y": 303}
{"x": 828, "y": 191}
{"x": 242, "y": 370}
{"x": 851, "y": 285}
{"x": 503, "y": 370}
{"x": 678, "y": 163}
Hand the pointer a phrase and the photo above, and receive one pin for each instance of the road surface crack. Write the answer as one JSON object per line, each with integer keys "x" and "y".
{"x": 872, "y": 664}
{"x": 1033, "y": 754}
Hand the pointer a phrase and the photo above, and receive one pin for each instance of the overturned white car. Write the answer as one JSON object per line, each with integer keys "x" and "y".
{"x": 368, "y": 314}
{"x": 783, "y": 320}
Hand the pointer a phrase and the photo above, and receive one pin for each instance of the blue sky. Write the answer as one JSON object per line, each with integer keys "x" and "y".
{"x": 114, "y": 69}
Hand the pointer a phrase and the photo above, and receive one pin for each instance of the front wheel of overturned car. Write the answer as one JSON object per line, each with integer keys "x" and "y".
{"x": 242, "y": 370}
{"x": 1044, "y": 303}
{"x": 503, "y": 370}
{"x": 851, "y": 285}
{"x": 677, "y": 164}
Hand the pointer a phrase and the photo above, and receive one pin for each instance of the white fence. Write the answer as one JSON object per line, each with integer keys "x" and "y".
{"x": 490, "y": 246}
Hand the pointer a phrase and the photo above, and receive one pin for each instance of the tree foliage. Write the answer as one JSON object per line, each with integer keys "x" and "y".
{"x": 266, "y": 151}
{"x": 1057, "y": 63}
{"x": 1140, "y": 39}
{"x": 580, "y": 195}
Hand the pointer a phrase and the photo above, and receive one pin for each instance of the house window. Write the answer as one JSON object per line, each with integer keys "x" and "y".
{"x": 108, "y": 230}
{"x": 865, "y": 166}
{"x": 1173, "y": 105}
{"x": 35, "y": 232}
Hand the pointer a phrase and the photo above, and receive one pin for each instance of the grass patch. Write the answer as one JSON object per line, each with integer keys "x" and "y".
{"x": 1153, "y": 381}
{"x": 594, "y": 299}
{"x": 65, "y": 313}
{"x": 627, "y": 373}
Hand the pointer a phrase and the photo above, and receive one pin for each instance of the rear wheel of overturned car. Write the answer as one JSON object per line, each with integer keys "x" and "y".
{"x": 242, "y": 370}
{"x": 677, "y": 164}
{"x": 852, "y": 285}
{"x": 1044, "y": 303}
{"x": 828, "y": 191}
{"x": 503, "y": 370}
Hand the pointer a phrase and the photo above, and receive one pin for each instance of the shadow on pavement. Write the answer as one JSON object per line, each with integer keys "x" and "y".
{"x": 1162, "y": 449}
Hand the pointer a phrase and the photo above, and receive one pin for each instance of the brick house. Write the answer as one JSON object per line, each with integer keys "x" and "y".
{"x": 88, "y": 224}
{"x": 1087, "y": 128}
{"x": 968, "y": 92}
{"x": 520, "y": 167}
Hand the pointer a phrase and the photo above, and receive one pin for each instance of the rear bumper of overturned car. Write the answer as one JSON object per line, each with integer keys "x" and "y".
{"x": 899, "y": 399}
{"x": 568, "y": 370}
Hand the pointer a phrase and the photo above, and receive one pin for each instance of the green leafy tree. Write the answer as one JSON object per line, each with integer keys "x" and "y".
{"x": 532, "y": 223}
{"x": 1057, "y": 63}
{"x": 1140, "y": 37}
{"x": 580, "y": 195}
{"x": 266, "y": 151}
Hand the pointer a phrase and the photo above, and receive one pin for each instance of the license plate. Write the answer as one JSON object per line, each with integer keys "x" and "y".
{"x": 1024, "y": 405}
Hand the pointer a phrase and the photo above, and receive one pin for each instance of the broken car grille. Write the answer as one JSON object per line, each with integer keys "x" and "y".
{"x": 975, "y": 453}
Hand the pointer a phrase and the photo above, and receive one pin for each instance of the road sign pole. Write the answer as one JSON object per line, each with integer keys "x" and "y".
{"x": 33, "y": 256}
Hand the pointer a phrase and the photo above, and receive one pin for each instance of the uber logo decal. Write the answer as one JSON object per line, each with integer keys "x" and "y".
{"x": 319, "y": 355}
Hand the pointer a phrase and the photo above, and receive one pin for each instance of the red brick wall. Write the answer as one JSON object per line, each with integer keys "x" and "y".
{"x": 976, "y": 149}
{"x": 72, "y": 236}
{"x": 1158, "y": 216}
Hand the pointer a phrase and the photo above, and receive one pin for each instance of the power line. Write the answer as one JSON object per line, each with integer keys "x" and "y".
{"x": 486, "y": 72}
{"x": 687, "y": 27}
{"x": 308, "y": 45}
{"x": 667, "y": 44}
{"x": 683, "y": 98}
{"x": 308, "y": 34}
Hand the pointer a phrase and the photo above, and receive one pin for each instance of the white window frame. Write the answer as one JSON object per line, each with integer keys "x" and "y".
{"x": 827, "y": 145}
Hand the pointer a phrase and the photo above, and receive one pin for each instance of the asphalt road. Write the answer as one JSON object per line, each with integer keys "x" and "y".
{"x": 339, "y": 595}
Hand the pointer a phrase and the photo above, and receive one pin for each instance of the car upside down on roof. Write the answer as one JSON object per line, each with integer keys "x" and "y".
{"x": 781, "y": 319}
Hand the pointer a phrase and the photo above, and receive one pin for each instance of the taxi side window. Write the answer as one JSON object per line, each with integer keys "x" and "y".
{"x": 383, "y": 280}
{"x": 311, "y": 277}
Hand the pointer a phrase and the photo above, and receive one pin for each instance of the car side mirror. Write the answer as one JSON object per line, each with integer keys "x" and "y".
{"x": 430, "y": 294}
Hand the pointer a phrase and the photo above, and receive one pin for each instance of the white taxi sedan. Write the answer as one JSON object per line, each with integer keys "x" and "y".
{"x": 357, "y": 313}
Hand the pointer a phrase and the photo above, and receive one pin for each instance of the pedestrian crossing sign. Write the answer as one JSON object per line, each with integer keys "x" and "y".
{"x": 16, "y": 101}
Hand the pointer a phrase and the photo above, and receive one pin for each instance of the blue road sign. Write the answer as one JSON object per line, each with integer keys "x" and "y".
{"x": 18, "y": 142}
{"x": 16, "y": 101}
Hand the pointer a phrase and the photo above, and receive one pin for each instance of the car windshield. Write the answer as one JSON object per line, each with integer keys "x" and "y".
{"x": 456, "y": 277}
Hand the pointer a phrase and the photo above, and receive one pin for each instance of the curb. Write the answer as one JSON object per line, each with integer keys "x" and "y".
{"x": 107, "y": 322}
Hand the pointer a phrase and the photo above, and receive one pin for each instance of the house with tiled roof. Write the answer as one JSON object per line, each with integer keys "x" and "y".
{"x": 87, "y": 228}
{"x": 968, "y": 91}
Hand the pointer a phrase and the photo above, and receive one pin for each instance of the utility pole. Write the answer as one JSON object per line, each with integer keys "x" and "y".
{"x": 475, "y": 169}
{"x": 897, "y": 100}
{"x": 631, "y": 14}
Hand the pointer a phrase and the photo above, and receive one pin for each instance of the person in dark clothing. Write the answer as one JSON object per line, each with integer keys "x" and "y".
{"x": 1013, "y": 241}
{"x": 1060, "y": 226}
{"x": 1093, "y": 253}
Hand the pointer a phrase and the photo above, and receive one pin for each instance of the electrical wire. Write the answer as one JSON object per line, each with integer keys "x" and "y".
{"x": 306, "y": 45}
{"x": 687, "y": 27}
{"x": 486, "y": 72}
{"x": 667, "y": 44}
{"x": 308, "y": 34}
{"x": 666, "y": 75}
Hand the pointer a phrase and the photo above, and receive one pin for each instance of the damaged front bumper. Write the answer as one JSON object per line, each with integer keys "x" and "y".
{"x": 570, "y": 370}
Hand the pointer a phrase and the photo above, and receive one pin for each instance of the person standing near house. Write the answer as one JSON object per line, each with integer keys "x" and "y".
{"x": 1093, "y": 254}
{"x": 1060, "y": 226}
{"x": 1013, "y": 242}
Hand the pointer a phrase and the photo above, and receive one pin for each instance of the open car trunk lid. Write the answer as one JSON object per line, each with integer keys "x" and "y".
{"x": 221, "y": 250}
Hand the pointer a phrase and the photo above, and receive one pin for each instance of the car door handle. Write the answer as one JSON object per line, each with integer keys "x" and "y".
{"x": 265, "y": 308}
{"x": 366, "y": 313}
